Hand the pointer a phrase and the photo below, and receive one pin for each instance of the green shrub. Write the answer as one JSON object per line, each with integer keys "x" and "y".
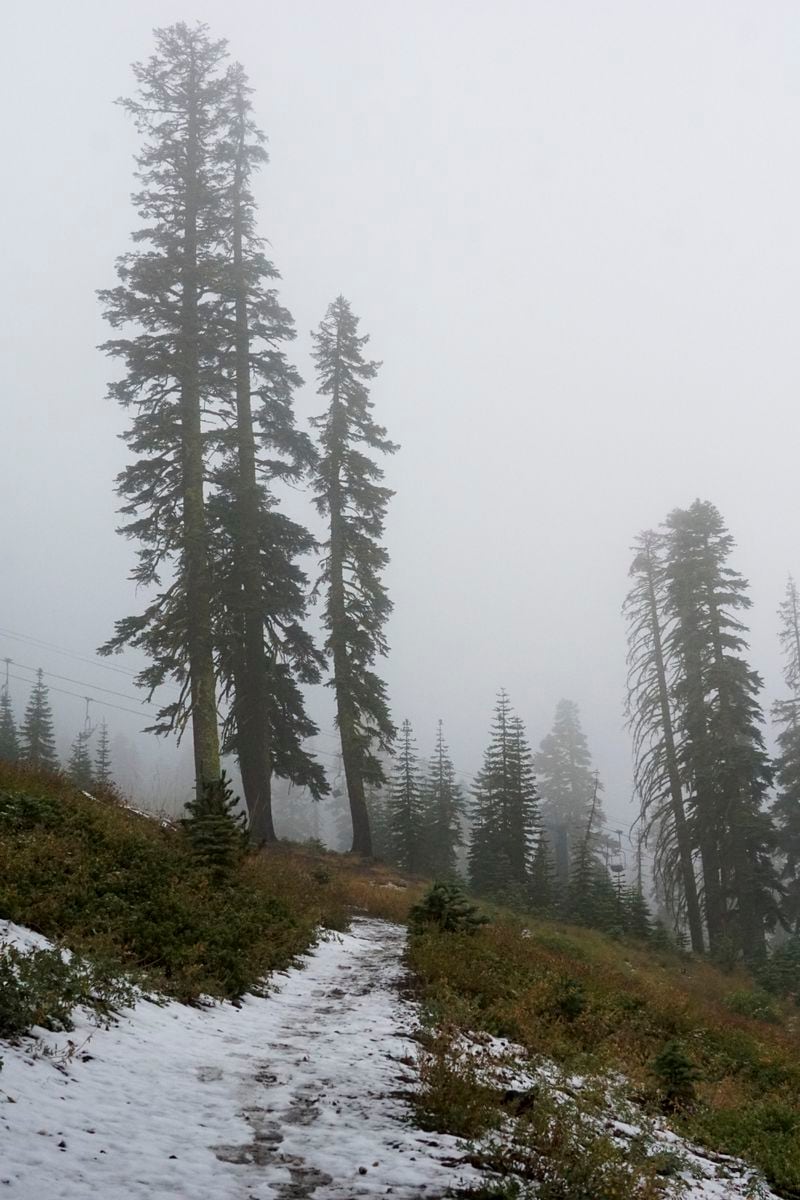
{"x": 753, "y": 1004}
{"x": 676, "y": 1076}
{"x": 41, "y": 988}
{"x": 446, "y": 906}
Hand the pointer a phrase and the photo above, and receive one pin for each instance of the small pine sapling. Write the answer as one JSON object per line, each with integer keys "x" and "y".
{"x": 216, "y": 831}
{"x": 446, "y": 907}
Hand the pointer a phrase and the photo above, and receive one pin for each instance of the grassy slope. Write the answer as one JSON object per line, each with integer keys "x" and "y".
{"x": 124, "y": 888}
{"x": 119, "y": 886}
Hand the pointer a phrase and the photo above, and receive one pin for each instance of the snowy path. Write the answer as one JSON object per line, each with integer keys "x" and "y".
{"x": 293, "y": 1096}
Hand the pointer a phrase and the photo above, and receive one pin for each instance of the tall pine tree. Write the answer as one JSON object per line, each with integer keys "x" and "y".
{"x": 9, "y": 741}
{"x": 445, "y": 808}
{"x": 264, "y": 654}
{"x": 724, "y": 763}
{"x": 349, "y": 493}
{"x": 505, "y": 811}
{"x": 406, "y": 808}
{"x": 567, "y": 786}
{"x": 651, "y": 717}
{"x": 167, "y": 307}
{"x": 37, "y": 741}
{"x": 786, "y": 714}
{"x": 102, "y": 760}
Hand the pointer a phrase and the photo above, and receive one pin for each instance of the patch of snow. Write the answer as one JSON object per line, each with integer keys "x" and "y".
{"x": 298, "y": 1094}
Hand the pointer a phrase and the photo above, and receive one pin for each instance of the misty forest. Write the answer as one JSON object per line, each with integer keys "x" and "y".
{"x": 356, "y": 940}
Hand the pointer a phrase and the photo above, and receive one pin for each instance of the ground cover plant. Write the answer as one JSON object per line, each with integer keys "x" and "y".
{"x": 700, "y": 1047}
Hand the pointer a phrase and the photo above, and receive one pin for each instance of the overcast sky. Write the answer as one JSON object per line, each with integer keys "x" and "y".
{"x": 573, "y": 232}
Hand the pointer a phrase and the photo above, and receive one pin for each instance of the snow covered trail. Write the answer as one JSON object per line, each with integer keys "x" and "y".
{"x": 300, "y": 1094}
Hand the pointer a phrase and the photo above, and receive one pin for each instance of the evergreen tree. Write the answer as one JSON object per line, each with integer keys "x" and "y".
{"x": 79, "y": 767}
{"x": 445, "y": 806}
{"x": 9, "y": 741}
{"x": 542, "y": 890}
{"x": 168, "y": 298}
{"x": 102, "y": 759}
{"x": 786, "y": 714}
{"x": 567, "y": 784}
{"x": 589, "y": 898}
{"x": 724, "y": 763}
{"x": 264, "y": 654}
{"x": 37, "y": 741}
{"x": 505, "y": 814}
{"x": 406, "y": 806}
{"x": 215, "y": 829}
{"x": 651, "y": 717}
{"x": 350, "y": 495}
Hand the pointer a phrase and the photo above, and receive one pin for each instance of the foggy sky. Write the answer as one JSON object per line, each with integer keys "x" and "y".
{"x": 573, "y": 232}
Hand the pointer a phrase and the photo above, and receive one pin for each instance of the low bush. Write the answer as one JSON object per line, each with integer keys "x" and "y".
{"x": 43, "y": 988}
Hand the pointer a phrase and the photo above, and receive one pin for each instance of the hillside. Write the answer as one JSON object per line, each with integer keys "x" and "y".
{"x": 538, "y": 1043}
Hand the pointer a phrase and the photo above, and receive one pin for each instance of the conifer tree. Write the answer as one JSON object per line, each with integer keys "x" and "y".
{"x": 786, "y": 714}
{"x": 264, "y": 654}
{"x": 567, "y": 784}
{"x": 722, "y": 748}
{"x": 167, "y": 297}
{"x": 406, "y": 807}
{"x": 102, "y": 759}
{"x": 37, "y": 741}
{"x": 589, "y": 898}
{"x": 505, "y": 813}
{"x": 215, "y": 829}
{"x": 79, "y": 767}
{"x": 542, "y": 890}
{"x": 445, "y": 807}
{"x": 9, "y": 741}
{"x": 651, "y": 717}
{"x": 350, "y": 495}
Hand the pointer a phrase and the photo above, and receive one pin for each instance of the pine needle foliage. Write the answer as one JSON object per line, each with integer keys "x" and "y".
{"x": 445, "y": 808}
{"x": 406, "y": 806}
{"x": 216, "y": 830}
{"x": 37, "y": 739}
{"x": 103, "y": 776}
{"x": 786, "y": 715}
{"x": 9, "y": 739}
{"x": 446, "y": 907}
{"x": 350, "y": 495}
{"x": 79, "y": 767}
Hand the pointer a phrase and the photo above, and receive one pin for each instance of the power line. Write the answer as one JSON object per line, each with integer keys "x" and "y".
{"x": 94, "y": 662}
{"x": 79, "y": 696}
{"x": 80, "y": 683}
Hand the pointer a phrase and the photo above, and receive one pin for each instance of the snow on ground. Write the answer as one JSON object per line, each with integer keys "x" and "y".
{"x": 297, "y": 1094}
{"x": 300, "y": 1094}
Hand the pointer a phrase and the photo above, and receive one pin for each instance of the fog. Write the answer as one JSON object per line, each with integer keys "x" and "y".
{"x": 572, "y": 232}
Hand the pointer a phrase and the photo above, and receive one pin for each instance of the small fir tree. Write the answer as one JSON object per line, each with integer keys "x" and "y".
{"x": 9, "y": 741}
{"x": 216, "y": 830}
{"x": 37, "y": 740}
{"x": 79, "y": 767}
{"x": 446, "y": 907}
{"x": 445, "y": 806}
{"x": 406, "y": 806}
{"x": 102, "y": 759}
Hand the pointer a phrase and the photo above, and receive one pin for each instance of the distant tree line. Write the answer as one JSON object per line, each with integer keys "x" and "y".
{"x": 33, "y": 743}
